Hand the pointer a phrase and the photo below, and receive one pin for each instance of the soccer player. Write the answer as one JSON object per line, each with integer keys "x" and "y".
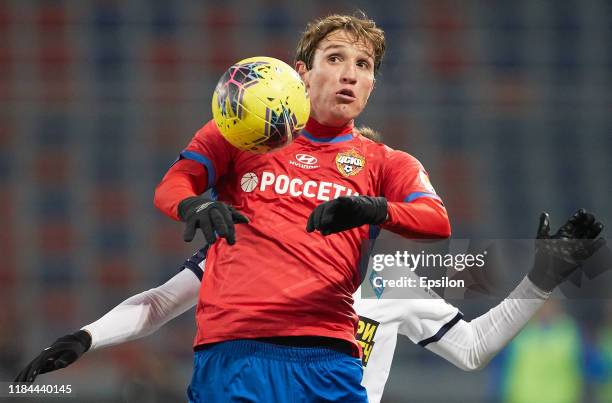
{"x": 431, "y": 323}
{"x": 278, "y": 289}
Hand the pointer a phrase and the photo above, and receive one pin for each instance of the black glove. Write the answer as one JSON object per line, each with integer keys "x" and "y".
{"x": 559, "y": 255}
{"x": 211, "y": 217}
{"x": 347, "y": 212}
{"x": 63, "y": 352}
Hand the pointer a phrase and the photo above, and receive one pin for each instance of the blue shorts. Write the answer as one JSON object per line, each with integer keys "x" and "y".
{"x": 253, "y": 371}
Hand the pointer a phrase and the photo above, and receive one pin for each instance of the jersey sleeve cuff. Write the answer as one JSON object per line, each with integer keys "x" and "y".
{"x": 527, "y": 290}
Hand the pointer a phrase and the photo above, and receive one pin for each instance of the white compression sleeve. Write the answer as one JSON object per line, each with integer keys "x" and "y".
{"x": 471, "y": 345}
{"x": 144, "y": 313}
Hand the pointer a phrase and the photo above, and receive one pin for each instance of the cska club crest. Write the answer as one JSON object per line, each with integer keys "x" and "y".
{"x": 350, "y": 163}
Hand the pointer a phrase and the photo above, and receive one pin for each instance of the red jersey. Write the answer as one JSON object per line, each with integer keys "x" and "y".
{"x": 279, "y": 280}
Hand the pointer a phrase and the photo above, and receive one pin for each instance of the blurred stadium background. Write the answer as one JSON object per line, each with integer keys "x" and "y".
{"x": 508, "y": 105}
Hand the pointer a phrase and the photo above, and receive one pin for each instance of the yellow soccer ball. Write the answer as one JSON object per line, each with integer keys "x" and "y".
{"x": 260, "y": 104}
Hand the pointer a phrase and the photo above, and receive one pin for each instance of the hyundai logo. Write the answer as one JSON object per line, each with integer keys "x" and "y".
{"x": 306, "y": 159}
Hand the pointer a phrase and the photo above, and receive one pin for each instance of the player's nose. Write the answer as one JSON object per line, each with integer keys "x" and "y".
{"x": 348, "y": 74}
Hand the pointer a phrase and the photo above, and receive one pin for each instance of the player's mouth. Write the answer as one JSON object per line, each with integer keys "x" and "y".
{"x": 345, "y": 95}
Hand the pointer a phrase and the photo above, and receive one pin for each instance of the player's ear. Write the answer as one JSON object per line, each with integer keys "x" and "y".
{"x": 303, "y": 71}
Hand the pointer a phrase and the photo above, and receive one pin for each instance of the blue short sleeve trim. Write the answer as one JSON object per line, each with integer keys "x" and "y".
{"x": 416, "y": 195}
{"x": 210, "y": 168}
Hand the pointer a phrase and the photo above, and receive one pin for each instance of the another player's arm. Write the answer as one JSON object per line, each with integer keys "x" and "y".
{"x": 471, "y": 345}
{"x": 144, "y": 313}
{"x": 180, "y": 193}
{"x": 409, "y": 205}
{"x": 136, "y": 317}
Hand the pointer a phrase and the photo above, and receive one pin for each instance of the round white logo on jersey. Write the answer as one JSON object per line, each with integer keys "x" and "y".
{"x": 249, "y": 182}
{"x": 306, "y": 159}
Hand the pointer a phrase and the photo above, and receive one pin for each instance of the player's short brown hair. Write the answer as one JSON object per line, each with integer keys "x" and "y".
{"x": 362, "y": 27}
{"x": 369, "y": 133}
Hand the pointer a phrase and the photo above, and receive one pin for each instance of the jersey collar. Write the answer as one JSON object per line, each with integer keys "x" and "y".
{"x": 319, "y": 133}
